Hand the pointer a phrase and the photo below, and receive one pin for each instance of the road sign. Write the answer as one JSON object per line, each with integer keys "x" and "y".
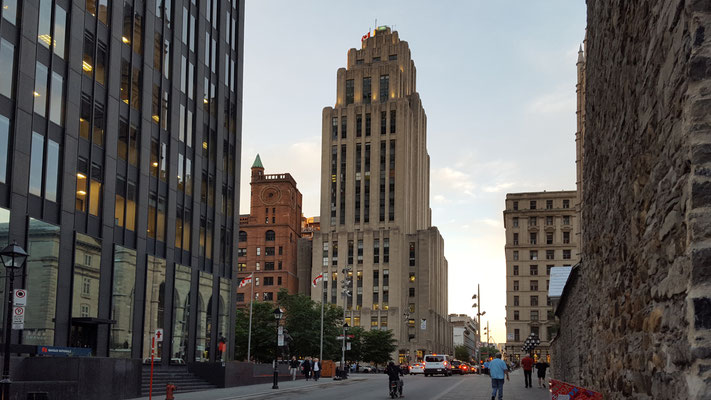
{"x": 340, "y": 337}
{"x": 18, "y": 318}
{"x": 20, "y": 297}
{"x": 159, "y": 335}
{"x": 281, "y": 340}
{"x": 348, "y": 345}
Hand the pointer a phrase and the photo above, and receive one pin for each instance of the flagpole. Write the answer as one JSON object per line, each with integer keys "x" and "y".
{"x": 249, "y": 335}
{"x": 322, "y": 302}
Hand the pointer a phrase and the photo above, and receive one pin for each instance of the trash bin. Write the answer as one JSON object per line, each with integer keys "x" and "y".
{"x": 38, "y": 396}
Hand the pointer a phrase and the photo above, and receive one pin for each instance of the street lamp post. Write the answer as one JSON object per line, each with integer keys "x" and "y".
{"x": 13, "y": 257}
{"x": 277, "y": 315}
{"x": 345, "y": 289}
{"x": 477, "y": 297}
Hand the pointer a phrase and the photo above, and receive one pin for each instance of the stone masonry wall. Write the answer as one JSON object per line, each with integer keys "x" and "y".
{"x": 638, "y": 315}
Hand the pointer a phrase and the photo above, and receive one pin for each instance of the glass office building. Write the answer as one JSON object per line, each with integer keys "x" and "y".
{"x": 120, "y": 132}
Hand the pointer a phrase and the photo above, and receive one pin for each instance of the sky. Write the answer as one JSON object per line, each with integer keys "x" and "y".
{"x": 497, "y": 81}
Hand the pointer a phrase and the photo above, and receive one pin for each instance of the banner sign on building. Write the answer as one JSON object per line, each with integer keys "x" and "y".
{"x": 63, "y": 351}
{"x": 565, "y": 391}
{"x": 423, "y": 324}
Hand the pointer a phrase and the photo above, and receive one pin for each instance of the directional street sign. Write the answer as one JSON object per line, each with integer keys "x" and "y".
{"x": 20, "y": 297}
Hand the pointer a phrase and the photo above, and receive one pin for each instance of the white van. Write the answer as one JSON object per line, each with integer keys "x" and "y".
{"x": 438, "y": 364}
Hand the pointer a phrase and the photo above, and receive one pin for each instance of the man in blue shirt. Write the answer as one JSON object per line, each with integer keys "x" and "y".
{"x": 497, "y": 369}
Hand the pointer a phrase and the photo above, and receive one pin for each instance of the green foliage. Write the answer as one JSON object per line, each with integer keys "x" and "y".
{"x": 487, "y": 352}
{"x": 263, "y": 332}
{"x": 378, "y": 346}
{"x": 356, "y": 351}
{"x": 462, "y": 353}
{"x": 303, "y": 322}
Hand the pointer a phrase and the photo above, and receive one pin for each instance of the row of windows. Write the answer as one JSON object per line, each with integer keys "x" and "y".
{"x": 268, "y": 251}
{"x": 376, "y": 252}
{"x": 532, "y": 204}
{"x": 366, "y": 93}
{"x": 386, "y": 124}
{"x": 533, "y": 285}
{"x": 535, "y": 315}
{"x": 533, "y": 302}
{"x": 533, "y": 238}
{"x": 376, "y": 59}
{"x": 533, "y": 221}
{"x": 550, "y": 254}
{"x": 533, "y": 269}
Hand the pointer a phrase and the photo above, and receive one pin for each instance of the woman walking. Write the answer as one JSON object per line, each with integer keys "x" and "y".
{"x": 306, "y": 368}
{"x": 293, "y": 367}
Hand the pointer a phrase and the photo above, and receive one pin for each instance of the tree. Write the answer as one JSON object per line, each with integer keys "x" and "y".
{"x": 263, "y": 332}
{"x": 487, "y": 352}
{"x": 303, "y": 322}
{"x": 356, "y": 351}
{"x": 378, "y": 346}
{"x": 462, "y": 353}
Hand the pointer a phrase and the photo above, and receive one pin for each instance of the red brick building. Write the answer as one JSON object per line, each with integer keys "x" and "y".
{"x": 268, "y": 236}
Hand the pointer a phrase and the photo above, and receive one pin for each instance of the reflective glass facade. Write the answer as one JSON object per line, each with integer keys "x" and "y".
{"x": 121, "y": 185}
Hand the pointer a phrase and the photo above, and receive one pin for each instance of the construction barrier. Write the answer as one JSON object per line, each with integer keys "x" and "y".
{"x": 566, "y": 391}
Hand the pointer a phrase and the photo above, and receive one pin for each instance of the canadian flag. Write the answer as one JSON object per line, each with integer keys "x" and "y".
{"x": 317, "y": 279}
{"x": 246, "y": 281}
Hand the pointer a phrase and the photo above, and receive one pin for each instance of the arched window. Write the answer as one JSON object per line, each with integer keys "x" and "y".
{"x": 242, "y": 236}
{"x": 270, "y": 236}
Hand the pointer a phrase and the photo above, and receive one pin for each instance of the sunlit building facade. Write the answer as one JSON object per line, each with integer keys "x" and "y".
{"x": 376, "y": 227}
{"x": 120, "y": 129}
{"x": 540, "y": 234}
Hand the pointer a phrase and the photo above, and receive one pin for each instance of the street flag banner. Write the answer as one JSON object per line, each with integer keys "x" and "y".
{"x": 565, "y": 391}
{"x": 317, "y": 279}
{"x": 246, "y": 281}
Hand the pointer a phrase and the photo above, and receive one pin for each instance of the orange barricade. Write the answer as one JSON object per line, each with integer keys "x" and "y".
{"x": 328, "y": 368}
{"x": 565, "y": 391}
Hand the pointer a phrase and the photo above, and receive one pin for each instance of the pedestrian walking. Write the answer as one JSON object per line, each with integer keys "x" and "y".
{"x": 316, "y": 367}
{"x": 497, "y": 370}
{"x": 293, "y": 367}
{"x": 541, "y": 367}
{"x": 306, "y": 368}
{"x": 527, "y": 364}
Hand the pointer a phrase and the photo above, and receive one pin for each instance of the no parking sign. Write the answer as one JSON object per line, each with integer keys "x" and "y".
{"x": 20, "y": 297}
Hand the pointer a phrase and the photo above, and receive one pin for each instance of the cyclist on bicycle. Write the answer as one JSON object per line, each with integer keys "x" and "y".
{"x": 394, "y": 373}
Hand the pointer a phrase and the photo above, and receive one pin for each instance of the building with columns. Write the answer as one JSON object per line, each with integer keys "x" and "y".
{"x": 376, "y": 227}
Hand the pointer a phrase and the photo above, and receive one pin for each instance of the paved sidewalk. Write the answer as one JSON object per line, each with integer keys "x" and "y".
{"x": 299, "y": 385}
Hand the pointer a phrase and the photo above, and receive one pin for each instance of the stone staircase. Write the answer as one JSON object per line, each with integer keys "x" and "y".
{"x": 178, "y": 375}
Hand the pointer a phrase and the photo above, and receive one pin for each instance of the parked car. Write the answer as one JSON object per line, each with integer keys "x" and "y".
{"x": 367, "y": 368}
{"x": 438, "y": 364}
{"x": 417, "y": 368}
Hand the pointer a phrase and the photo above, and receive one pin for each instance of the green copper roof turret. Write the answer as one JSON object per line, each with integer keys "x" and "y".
{"x": 257, "y": 162}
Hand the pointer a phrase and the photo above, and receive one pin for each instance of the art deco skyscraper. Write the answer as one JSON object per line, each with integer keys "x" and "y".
{"x": 375, "y": 214}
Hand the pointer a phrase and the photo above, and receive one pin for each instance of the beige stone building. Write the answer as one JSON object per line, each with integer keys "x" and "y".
{"x": 375, "y": 214}
{"x": 540, "y": 234}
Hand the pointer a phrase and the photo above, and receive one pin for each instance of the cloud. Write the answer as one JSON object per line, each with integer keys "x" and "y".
{"x": 498, "y": 187}
{"x": 448, "y": 179}
{"x": 562, "y": 100}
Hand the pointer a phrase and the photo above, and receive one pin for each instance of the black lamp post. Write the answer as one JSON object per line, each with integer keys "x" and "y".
{"x": 13, "y": 257}
{"x": 277, "y": 315}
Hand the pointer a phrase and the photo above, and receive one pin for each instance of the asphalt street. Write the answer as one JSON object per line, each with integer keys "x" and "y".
{"x": 375, "y": 386}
